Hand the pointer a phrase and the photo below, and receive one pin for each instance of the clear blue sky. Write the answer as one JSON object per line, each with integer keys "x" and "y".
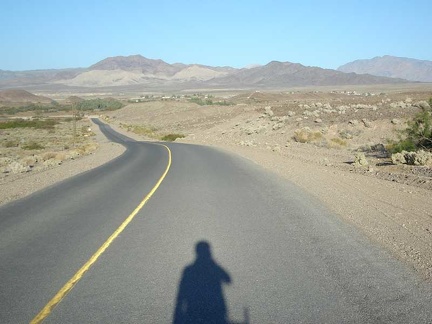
{"x": 42, "y": 34}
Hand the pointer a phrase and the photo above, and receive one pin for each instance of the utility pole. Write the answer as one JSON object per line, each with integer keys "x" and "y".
{"x": 74, "y": 112}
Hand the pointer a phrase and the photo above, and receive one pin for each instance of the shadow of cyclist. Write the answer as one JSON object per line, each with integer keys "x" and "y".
{"x": 200, "y": 296}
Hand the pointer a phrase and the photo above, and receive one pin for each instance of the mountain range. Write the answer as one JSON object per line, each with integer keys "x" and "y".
{"x": 136, "y": 70}
{"x": 393, "y": 67}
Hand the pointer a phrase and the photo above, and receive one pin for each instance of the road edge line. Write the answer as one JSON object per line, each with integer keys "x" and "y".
{"x": 58, "y": 297}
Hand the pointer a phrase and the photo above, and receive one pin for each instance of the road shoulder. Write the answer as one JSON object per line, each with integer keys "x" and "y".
{"x": 394, "y": 215}
{"x": 19, "y": 186}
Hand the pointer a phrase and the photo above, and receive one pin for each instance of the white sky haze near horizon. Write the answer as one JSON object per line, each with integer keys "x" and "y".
{"x": 67, "y": 34}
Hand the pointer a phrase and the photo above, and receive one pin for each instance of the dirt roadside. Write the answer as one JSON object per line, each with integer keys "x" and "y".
{"x": 395, "y": 215}
{"x": 20, "y": 185}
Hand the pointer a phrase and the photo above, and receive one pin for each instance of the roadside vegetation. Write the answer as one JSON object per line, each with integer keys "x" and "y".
{"x": 171, "y": 137}
{"x": 145, "y": 130}
{"x": 197, "y": 98}
{"x": 21, "y": 123}
{"x": 107, "y": 104}
{"x": 37, "y": 144}
{"x": 151, "y": 132}
{"x": 33, "y": 146}
{"x": 418, "y": 134}
{"x": 208, "y": 100}
{"x": 306, "y": 135}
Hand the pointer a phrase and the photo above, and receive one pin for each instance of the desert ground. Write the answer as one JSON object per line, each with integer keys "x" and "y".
{"x": 332, "y": 142}
{"x": 32, "y": 159}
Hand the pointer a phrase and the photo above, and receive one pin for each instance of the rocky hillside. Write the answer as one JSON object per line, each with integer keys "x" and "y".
{"x": 286, "y": 74}
{"x": 136, "y": 63}
{"x": 393, "y": 67}
{"x": 21, "y": 96}
{"x": 136, "y": 69}
{"x": 158, "y": 68}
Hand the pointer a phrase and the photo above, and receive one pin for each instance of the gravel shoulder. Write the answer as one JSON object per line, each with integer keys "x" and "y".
{"x": 395, "y": 215}
{"x": 20, "y": 185}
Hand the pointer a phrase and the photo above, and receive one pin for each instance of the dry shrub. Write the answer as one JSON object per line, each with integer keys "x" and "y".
{"x": 61, "y": 156}
{"x": 48, "y": 156}
{"x": 87, "y": 148}
{"x": 398, "y": 158}
{"x": 4, "y": 161}
{"x": 73, "y": 154}
{"x": 360, "y": 160}
{"x": 337, "y": 142}
{"x": 306, "y": 135}
{"x": 30, "y": 160}
{"x": 145, "y": 130}
{"x": 413, "y": 158}
{"x": 16, "y": 167}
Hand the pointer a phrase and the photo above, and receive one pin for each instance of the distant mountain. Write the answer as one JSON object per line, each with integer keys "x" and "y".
{"x": 392, "y": 66}
{"x": 150, "y": 67}
{"x": 22, "y": 78}
{"x": 21, "y": 96}
{"x": 251, "y": 66}
{"x": 136, "y": 70}
{"x": 136, "y": 63}
{"x": 200, "y": 73}
{"x": 283, "y": 74}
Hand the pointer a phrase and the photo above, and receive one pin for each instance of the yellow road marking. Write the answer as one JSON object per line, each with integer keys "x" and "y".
{"x": 43, "y": 314}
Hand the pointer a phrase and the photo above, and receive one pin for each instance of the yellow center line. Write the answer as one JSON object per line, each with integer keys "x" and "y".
{"x": 43, "y": 314}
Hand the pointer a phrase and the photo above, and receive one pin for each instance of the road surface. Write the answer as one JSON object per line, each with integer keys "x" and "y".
{"x": 221, "y": 239}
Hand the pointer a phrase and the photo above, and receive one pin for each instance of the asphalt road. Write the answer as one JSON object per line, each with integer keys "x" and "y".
{"x": 221, "y": 239}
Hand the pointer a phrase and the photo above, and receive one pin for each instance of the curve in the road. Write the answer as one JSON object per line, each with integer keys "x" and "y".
{"x": 44, "y": 313}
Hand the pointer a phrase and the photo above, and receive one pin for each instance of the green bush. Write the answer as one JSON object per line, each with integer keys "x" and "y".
{"x": 33, "y": 146}
{"x": 21, "y": 123}
{"x": 200, "y": 101}
{"x": 38, "y": 108}
{"x": 11, "y": 144}
{"x": 418, "y": 134}
{"x": 171, "y": 137}
{"x": 209, "y": 102}
{"x": 84, "y": 105}
{"x": 401, "y": 145}
{"x": 99, "y": 104}
{"x": 224, "y": 103}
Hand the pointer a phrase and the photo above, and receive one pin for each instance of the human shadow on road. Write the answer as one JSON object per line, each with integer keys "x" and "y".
{"x": 200, "y": 297}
